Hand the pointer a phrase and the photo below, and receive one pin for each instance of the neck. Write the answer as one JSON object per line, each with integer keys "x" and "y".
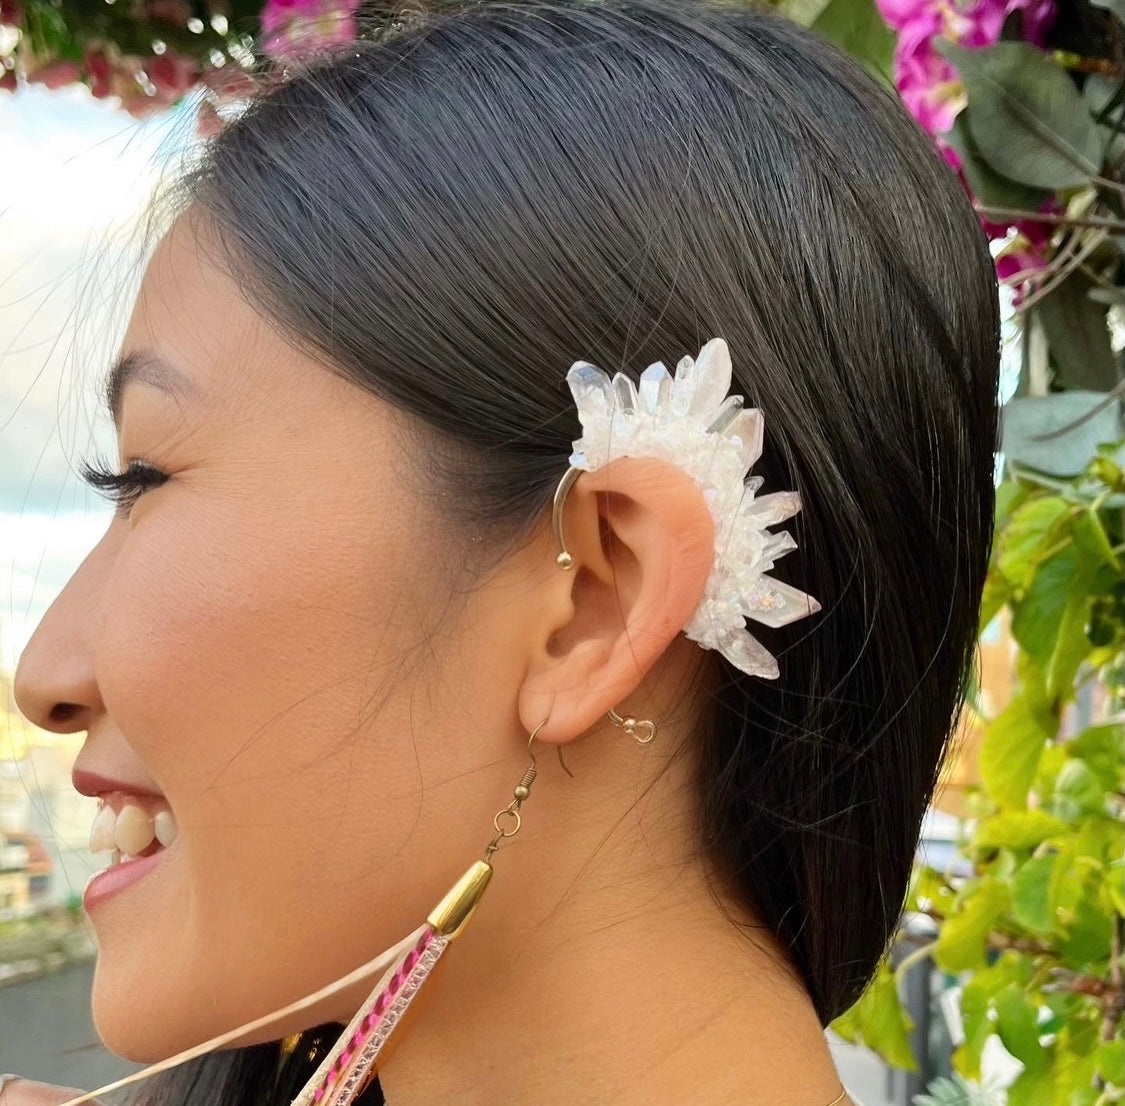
{"x": 634, "y": 988}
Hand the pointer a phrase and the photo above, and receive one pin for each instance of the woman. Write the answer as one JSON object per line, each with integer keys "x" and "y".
{"x": 311, "y": 647}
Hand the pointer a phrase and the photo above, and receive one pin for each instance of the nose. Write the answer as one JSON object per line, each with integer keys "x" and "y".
{"x": 54, "y": 687}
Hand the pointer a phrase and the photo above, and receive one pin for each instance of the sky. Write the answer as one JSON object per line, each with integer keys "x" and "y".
{"x": 77, "y": 176}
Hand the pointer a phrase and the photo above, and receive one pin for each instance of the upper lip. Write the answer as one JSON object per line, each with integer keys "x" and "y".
{"x": 95, "y": 784}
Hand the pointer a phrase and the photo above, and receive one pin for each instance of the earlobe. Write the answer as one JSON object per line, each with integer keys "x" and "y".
{"x": 642, "y": 539}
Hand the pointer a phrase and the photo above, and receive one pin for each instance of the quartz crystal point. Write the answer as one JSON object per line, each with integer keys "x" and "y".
{"x": 689, "y": 420}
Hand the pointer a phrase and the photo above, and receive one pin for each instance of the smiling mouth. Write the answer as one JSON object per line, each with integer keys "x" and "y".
{"x": 132, "y": 826}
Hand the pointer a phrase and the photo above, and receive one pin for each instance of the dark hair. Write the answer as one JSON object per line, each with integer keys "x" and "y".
{"x": 452, "y": 213}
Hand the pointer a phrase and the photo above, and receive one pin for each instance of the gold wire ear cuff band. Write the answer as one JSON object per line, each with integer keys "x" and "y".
{"x": 640, "y": 730}
{"x": 564, "y": 559}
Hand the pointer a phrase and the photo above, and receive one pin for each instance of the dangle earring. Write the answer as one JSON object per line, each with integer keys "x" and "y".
{"x": 349, "y": 1066}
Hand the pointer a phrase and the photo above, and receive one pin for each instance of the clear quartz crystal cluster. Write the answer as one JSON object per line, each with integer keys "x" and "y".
{"x": 690, "y": 421}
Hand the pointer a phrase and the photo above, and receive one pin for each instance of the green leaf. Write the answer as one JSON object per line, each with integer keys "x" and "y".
{"x": 1035, "y": 624}
{"x": 1072, "y": 646}
{"x": 1017, "y": 1025}
{"x": 1032, "y": 1087}
{"x": 1111, "y": 1062}
{"x": 1022, "y": 829}
{"x": 1074, "y": 1074}
{"x": 1050, "y": 765}
{"x": 1104, "y": 96}
{"x": 1115, "y": 885}
{"x": 1077, "y": 331}
{"x": 1078, "y": 791}
{"x": 928, "y": 891}
{"x": 1028, "y": 418}
{"x": 961, "y": 942}
{"x": 1010, "y": 751}
{"x": 1089, "y": 928}
{"x": 857, "y": 26}
{"x": 990, "y": 187}
{"x": 1029, "y": 529}
{"x": 1009, "y": 495}
{"x": 1103, "y": 749}
{"x": 976, "y": 1004}
{"x": 879, "y": 1021}
{"x": 1031, "y": 904}
{"x": 802, "y": 11}
{"x": 1093, "y": 542}
{"x": 996, "y": 595}
{"x": 1028, "y": 119}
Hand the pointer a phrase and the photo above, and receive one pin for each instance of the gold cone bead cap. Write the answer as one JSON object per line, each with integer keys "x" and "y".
{"x": 450, "y": 915}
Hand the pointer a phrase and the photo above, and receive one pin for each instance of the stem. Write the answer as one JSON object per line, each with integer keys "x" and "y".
{"x": 913, "y": 958}
{"x": 1000, "y": 214}
{"x": 1115, "y": 1007}
{"x": 1112, "y": 185}
{"x": 1065, "y": 490}
{"x": 1061, "y": 272}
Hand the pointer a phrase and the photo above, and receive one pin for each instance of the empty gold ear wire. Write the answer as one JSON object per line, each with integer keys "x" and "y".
{"x": 641, "y": 730}
{"x": 564, "y": 559}
{"x": 508, "y": 821}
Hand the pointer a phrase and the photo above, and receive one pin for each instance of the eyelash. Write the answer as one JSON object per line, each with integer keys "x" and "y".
{"x": 122, "y": 488}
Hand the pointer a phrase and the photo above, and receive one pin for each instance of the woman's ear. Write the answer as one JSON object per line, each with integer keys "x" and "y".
{"x": 643, "y": 544}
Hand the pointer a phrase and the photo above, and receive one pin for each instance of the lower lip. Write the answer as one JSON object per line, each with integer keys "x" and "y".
{"x": 109, "y": 881}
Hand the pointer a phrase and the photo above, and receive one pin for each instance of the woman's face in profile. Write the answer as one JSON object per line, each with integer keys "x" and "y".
{"x": 257, "y": 649}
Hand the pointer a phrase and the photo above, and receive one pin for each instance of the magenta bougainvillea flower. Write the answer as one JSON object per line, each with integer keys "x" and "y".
{"x": 927, "y": 82}
{"x": 933, "y": 93}
{"x": 291, "y": 28}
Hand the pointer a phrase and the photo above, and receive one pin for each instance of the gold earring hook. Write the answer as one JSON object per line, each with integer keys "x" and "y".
{"x": 508, "y": 820}
{"x": 641, "y": 730}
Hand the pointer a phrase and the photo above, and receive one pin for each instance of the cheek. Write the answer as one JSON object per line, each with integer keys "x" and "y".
{"x": 265, "y": 673}
{"x": 225, "y": 636}
{"x": 244, "y": 662}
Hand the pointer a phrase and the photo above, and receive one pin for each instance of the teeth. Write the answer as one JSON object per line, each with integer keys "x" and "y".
{"x": 101, "y": 832}
{"x": 164, "y": 823}
{"x": 131, "y": 830}
{"x": 134, "y": 830}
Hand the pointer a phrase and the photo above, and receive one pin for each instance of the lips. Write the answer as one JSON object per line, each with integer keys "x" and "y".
{"x": 134, "y": 824}
{"x": 95, "y": 785}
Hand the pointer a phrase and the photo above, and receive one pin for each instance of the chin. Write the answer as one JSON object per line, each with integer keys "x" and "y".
{"x": 131, "y": 1020}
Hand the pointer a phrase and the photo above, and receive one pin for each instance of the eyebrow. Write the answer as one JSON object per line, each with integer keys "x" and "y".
{"x": 145, "y": 367}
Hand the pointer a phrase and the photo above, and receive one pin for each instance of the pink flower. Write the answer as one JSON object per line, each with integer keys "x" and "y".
{"x": 294, "y": 27}
{"x": 1017, "y": 264}
{"x": 11, "y": 11}
{"x": 1038, "y": 17}
{"x": 56, "y": 74}
{"x": 228, "y": 83}
{"x": 172, "y": 74}
{"x": 1027, "y": 247}
{"x": 928, "y": 84}
{"x": 100, "y": 72}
